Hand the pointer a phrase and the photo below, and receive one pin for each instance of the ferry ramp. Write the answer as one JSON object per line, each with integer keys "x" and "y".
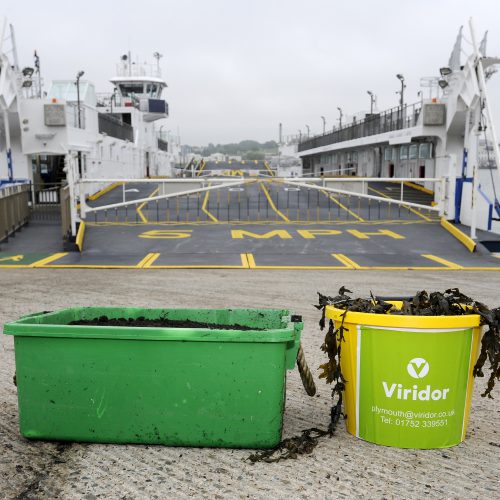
{"x": 260, "y": 224}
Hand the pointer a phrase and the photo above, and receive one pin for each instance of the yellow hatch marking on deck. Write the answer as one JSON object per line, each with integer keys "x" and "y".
{"x": 350, "y": 264}
{"x": 204, "y": 208}
{"x": 468, "y": 242}
{"x": 341, "y": 205}
{"x": 143, "y": 204}
{"x": 447, "y": 263}
{"x": 428, "y": 219}
{"x": 271, "y": 203}
{"x": 148, "y": 260}
{"x": 50, "y": 258}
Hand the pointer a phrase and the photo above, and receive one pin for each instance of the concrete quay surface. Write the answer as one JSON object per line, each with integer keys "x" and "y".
{"x": 340, "y": 467}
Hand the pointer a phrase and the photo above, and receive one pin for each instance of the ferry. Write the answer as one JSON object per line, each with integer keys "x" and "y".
{"x": 113, "y": 134}
{"x": 438, "y": 137}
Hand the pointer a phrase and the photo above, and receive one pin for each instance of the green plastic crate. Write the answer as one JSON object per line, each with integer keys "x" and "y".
{"x": 172, "y": 386}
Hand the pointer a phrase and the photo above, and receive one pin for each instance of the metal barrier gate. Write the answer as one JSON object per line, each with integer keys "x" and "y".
{"x": 257, "y": 200}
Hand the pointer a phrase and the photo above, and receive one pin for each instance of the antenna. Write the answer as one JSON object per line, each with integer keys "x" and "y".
{"x": 158, "y": 56}
{"x": 14, "y": 48}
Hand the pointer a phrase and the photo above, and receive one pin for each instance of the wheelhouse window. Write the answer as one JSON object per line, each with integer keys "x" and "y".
{"x": 413, "y": 152}
{"x": 128, "y": 89}
{"x": 403, "y": 153}
{"x": 388, "y": 154}
{"x": 152, "y": 89}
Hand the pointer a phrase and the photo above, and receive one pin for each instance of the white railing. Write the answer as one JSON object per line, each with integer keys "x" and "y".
{"x": 321, "y": 184}
{"x": 219, "y": 182}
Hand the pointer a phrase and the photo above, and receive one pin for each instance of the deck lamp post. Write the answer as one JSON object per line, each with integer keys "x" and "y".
{"x": 78, "y": 76}
{"x": 300, "y": 135}
{"x": 324, "y": 124}
{"x": 308, "y": 130}
{"x": 79, "y": 154}
{"x": 340, "y": 117}
{"x": 372, "y": 100}
{"x": 401, "y": 78}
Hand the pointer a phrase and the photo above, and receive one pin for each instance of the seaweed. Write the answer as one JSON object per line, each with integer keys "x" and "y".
{"x": 451, "y": 302}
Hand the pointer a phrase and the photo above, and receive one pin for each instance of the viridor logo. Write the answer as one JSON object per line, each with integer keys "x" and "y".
{"x": 418, "y": 368}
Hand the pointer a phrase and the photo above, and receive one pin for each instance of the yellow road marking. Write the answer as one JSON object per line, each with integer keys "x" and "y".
{"x": 254, "y": 265}
{"x": 103, "y": 191}
{"x": 245, "y": 264}
{"x": 349, "y": 263}
{"x": 269, "y": 169}
{"x": 148, "y": 260}
{"x": 50, "y": 258}
{"x": 204, "y": 164}
{"x": 406, "y": 206}
{"x": 447, "y": 263}
{"x": 418, "y": 187}
{"x": 341, "y": 205}
{"x": 143, "y": 204}
{"x": 204, "y": 206}
{"x": 251, "y": 261}
{"x": 271, "y": 203}
{"x": 15, "y": 258}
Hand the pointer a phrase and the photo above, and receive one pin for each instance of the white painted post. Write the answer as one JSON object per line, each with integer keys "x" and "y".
{"x": 442, "y": 208}
{"x": 70, "y": 175}
{"x": 473, "y": 223}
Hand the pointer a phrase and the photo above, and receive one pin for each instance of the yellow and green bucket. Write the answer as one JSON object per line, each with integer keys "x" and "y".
{"x": 408, "y": 379}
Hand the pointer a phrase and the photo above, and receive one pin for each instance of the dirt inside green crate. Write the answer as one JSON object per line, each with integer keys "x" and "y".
{"x": 143, "y": 322}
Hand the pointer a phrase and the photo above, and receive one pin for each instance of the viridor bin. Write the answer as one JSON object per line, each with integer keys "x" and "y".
{"x": 408, "y": 378}
{"x": 171, "y": 386}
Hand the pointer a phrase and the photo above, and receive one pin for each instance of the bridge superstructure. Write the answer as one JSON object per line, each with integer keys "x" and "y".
{"x": 434, "y": 138}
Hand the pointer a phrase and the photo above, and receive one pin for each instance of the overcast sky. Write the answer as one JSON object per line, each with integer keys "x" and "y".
{"x": 235, "y": 68}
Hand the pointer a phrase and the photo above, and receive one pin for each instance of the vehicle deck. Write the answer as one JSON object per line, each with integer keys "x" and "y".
{"x": 262, "y": 224}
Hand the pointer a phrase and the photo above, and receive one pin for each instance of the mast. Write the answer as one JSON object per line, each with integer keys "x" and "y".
{"x": 486, "y": 102}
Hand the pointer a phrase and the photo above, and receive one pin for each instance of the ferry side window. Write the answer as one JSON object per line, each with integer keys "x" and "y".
{"x": 387, "y": 154}
{"x": 413, "y": 152}
{"x": 403, "y": 153}
{"x": 424, "y": 151}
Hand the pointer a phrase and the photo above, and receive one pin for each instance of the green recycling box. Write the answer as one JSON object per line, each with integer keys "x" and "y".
{"x": 173, "y": 386}
{"x": 408, "y": 378}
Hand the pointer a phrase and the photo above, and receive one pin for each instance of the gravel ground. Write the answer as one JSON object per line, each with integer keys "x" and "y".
{"x": 340, "y": 467}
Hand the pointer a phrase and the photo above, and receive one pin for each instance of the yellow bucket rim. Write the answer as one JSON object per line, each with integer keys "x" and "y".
{"x": 396, "y": 321}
